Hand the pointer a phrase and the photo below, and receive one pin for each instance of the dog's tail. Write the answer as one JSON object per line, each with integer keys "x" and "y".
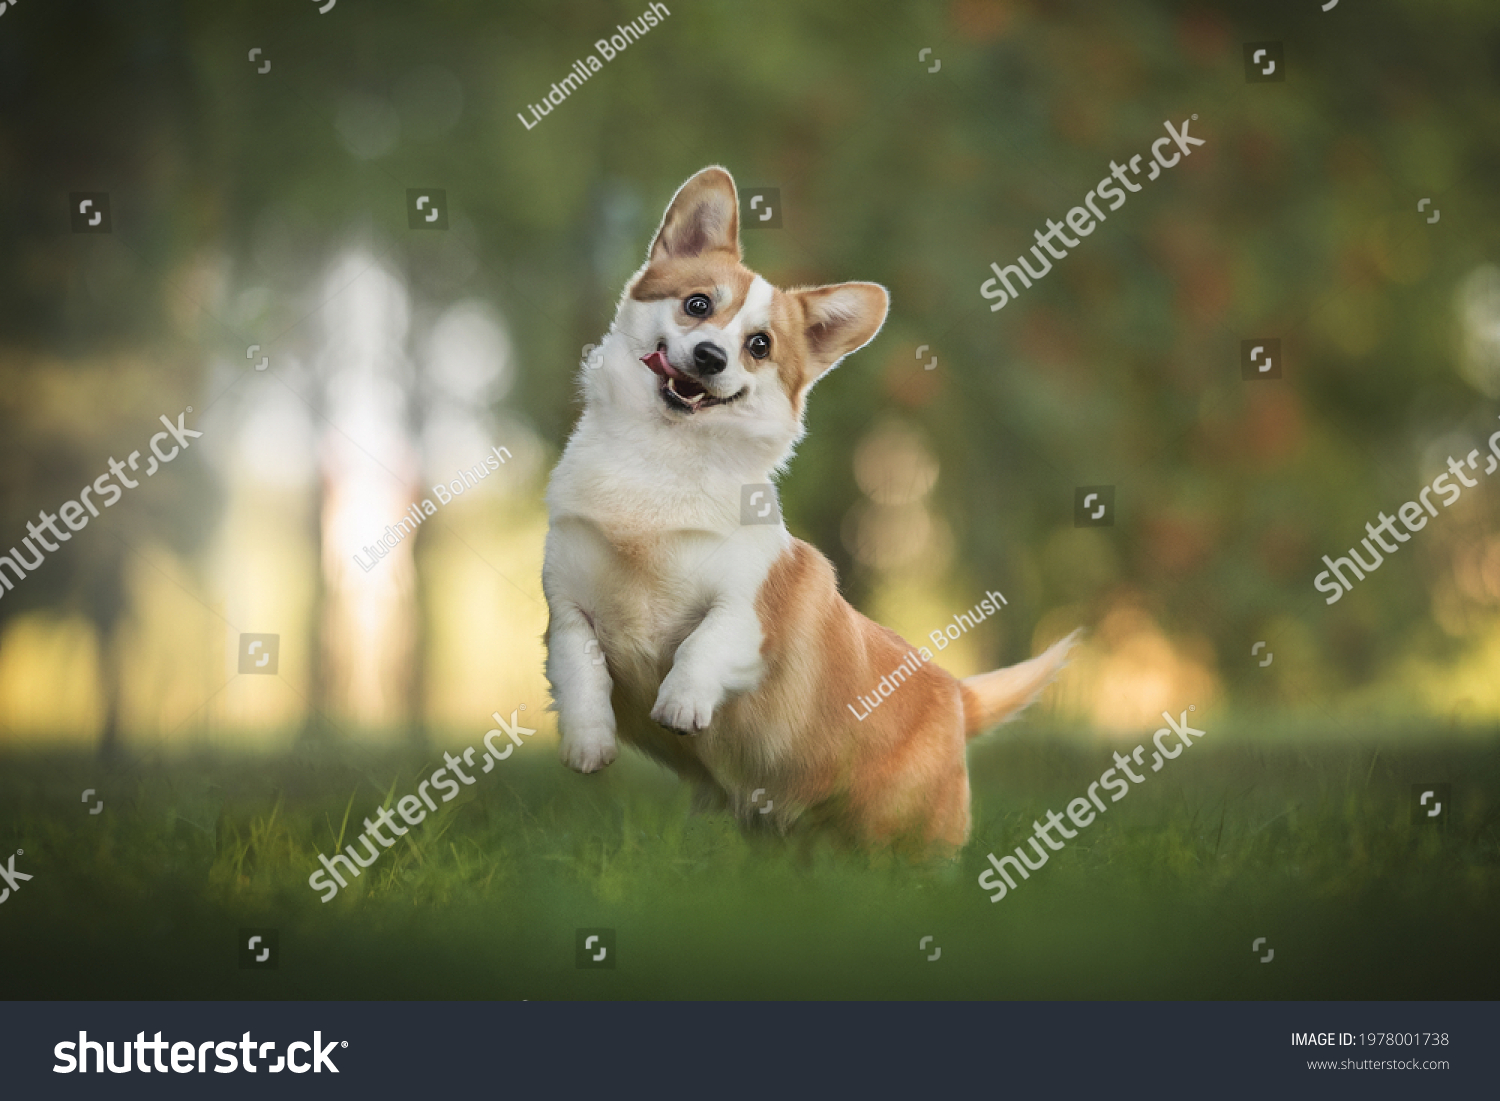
{"x": 1000, "y": 696}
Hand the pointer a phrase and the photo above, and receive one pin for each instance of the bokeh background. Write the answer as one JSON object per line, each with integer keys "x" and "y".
{"x": 270, "y": 209}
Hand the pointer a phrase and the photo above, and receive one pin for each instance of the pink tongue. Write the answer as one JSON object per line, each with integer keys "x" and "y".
{"x": 657, "y": 361}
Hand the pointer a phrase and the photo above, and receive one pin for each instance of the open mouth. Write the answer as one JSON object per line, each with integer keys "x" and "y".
{"x": 679, "y": 391}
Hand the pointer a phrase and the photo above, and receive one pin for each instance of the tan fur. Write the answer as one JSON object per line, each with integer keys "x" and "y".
{"x": 899, "y": 777}
{"x": 672, "y": 277}
{"x": 1001, "y": 695}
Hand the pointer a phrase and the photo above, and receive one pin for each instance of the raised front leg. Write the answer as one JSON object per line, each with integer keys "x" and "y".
{"x": 580, "y": 689}
{"x": 722, "y": 655}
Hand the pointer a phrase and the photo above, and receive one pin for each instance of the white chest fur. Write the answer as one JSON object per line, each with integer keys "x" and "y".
{"x": 648, "y": 551}
{"x": 650, "y": 572}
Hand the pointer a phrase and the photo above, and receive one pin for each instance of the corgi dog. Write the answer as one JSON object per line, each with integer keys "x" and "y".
{"x": 722, "y": 647}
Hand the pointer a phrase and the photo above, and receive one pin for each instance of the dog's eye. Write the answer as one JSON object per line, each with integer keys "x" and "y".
{"x": 759, "y": 345}
{"x": 698, "y": 305}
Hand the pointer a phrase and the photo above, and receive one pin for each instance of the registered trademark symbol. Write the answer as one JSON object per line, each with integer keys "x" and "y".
{"x": 1195, "y": 116}
{"x": 1192, "y": 707}
{"x": 20, "y": 852}
{"x": 345, "y": 1043}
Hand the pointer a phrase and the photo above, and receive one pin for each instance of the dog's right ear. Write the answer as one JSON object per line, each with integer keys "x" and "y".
{"x": 703, "y": 216}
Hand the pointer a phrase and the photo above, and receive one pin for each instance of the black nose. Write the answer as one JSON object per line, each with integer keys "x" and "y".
{"x": 709, "y": 359}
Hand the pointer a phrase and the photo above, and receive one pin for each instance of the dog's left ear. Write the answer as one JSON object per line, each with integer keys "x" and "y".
{"x": 703, "y": 216}
{"x": 841, "y": 319}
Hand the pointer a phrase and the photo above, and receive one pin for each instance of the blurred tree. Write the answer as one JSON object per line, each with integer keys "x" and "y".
{"x": 94, "y": 97}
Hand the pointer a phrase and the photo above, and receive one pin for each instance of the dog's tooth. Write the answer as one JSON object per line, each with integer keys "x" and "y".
{"x": 692, "y": 401}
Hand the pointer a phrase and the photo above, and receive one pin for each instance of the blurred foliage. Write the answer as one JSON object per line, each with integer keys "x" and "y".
{"x": 1296, "y": 219}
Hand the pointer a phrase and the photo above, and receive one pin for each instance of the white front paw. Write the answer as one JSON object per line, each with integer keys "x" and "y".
{"x": 588, "y": 751}
{"x": 684, "y": 706}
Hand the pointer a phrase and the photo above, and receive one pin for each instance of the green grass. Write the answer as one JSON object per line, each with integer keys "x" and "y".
{"x": 1308, "y": 844}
